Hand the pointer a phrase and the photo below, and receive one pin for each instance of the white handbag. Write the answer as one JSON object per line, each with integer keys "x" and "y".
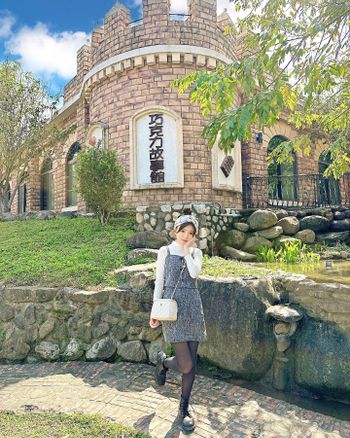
{"x": 165, "y": 309}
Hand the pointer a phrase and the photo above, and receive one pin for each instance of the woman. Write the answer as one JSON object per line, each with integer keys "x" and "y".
{"x": 178, "y": 265}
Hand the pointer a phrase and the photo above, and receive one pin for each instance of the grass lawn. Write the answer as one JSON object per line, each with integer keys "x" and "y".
{"x": 47, "y": 425}
{"x": 80, "y": 253}
{"x": 75, "y": 252}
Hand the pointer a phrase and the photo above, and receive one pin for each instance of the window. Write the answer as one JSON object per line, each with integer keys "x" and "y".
{"x": 281, "y": 177}
{"x": 22, "y": 198}
{"x": 47, "y": 186}
{"x": 71, "y": 174}
{"x": 179, "y": 10}
{"x": 329, "y": 187}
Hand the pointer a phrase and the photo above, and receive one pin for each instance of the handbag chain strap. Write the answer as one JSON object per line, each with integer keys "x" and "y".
{"x": 180, "y": 277}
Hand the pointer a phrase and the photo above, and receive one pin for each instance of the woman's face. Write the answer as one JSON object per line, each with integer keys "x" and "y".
{"x": 185, "y": 235}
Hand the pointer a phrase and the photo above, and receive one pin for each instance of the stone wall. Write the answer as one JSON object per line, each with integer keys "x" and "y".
{"x": 272, "y": 329}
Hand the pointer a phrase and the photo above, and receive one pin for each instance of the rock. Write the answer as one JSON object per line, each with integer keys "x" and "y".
{"x": 270, "y": 233}
{"x": 315, "y": 223}
{"x": 233, "y": 253}
{"x": 240, "y": 226}
{"x": 284, "y": 313}
{"x": 262, "y": 219}
{"x": 139, "y": 253}
{"x": 148, "y": 334}
{"x": 343, "y": 225}
{"x": 102, "y": 349}
{"x": 281, "y": 213}
{"x": 253, "y": 243}
{"x": 45, "y": 214}
{"x": 306, "y": 236}
{"x": 339, "y": 215}
{"x": 148, "y": 239}
{"x": 14, "y": 347}
{"x": 281, "y": 328}
{"x": 290, "y": 225}
{"x": 46, "y": 328}
{"x": 88, "y": 297}
{"x": 7, "y": 217}
{"x": 154, "y": 347}
{"x": 6, "y": 313}
{"x": 74, "y": 350}
{"x": 230, "y": 321}
{"x": 133, "y": 351}
{"x": 324, "y": 345}
{"x": 67, "y": 214}
{"x": 333, "y": 237}
{"x": 30, "y": 294}
{"x": 233, "y": 238}
{"x": 347, "y": 213}
{"x": 48, "y": 350}
{"x": 101, "y": 330}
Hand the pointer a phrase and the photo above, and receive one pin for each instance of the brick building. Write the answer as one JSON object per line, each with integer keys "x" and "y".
{"x": 121, "y": 98}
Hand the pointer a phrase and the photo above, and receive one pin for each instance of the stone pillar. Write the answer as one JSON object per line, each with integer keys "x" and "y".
{"x": 285, "y": 325}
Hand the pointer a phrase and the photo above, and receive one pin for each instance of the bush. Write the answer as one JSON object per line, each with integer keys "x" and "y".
{"x": 291, "y": 253}
{"x": 101, "y": 181}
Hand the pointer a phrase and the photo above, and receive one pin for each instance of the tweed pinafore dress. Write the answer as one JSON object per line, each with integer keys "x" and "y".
{"x": 190, "y": 324}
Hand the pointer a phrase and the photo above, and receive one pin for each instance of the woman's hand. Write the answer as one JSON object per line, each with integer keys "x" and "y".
{"x": 154, "y": 323}
{"x": 187, "y": 245}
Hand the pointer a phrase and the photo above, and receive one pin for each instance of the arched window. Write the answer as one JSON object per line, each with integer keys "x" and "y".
{"x": 281, "y": 177}
{"x": 47, "y": 186}
{"x": 71, "y": 174}
{"x": 329, "y": 187}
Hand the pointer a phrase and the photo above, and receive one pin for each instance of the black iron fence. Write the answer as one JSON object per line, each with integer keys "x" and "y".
{"x": 296, "y": 191}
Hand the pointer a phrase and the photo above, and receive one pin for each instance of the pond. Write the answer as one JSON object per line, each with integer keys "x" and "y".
{"x": 327, "y": 271}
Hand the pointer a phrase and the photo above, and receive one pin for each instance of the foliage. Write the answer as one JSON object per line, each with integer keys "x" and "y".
{"x": 290, "y": 252}
{"x": 295, "y": 60}
{"x": 219, "y": 267}
{"x": 38, "y": 425}
{"x": 100, "y": 181}
{"x": 63, "y": 252}
{"x": 25, "y": 109}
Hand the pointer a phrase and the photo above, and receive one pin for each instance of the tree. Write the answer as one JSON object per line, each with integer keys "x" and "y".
{"x": 25, "y": 109}
{"x": 297, "y": 60}
{"x": 101, "y": 181}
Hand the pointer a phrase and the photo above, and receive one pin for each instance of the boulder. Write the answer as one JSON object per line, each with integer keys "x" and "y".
{"x": 154, "y": 347}
{"x": 233, "y": 238}
{"x": 240, "y": 226}
{"x": 281, "y": 213}
{"x": 324, "y": 345}
{"x": 148, "y": 239}
{"x": 290, "y": 225}
{"x": 7, "y": 217}
{"x": 270, "y": 233}
{"x": 132, "y": 351}
{"x": 253, "y": 243}
{"x": 6, "y": 313}
{"x": 102, "y": 349}
{"x": 74, "y": 350}
{"x": 333, "y": 237}
{"x": 46, "y": 328}
{"x": 284, "y": 313}
{"x": 14, "y": 347}
{"x": 48, "y": 350}
{"x": 316, "y": 223}
{"x": 347, "y": 213}
{"x": 341, "y": 225}
{"x": 262, "y": 219}
{"x": 233, "y": 253}
{"x": 139, "y": 253}
{"x": 339, "y": 215}
{"x": 306, "y": 236}
{"x": 240, "y": 339}
{"x": 281, "y": 240}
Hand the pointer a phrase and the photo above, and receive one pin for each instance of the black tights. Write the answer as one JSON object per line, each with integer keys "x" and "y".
{"x": 185, "y": 362}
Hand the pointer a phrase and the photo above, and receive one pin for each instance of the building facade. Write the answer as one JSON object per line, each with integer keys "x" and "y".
{"x": 121, "y": 98}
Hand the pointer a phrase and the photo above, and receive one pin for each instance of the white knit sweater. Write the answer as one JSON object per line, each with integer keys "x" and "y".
{"x": 193, "y": 261}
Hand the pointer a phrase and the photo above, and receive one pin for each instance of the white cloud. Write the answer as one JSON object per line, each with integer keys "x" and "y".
{"x": 46, "y": 53}
{"x": 7, "y": 20}
{"x": 225, "y": 4}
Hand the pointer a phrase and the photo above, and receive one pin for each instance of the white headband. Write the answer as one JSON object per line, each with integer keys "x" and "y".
{"x": 186, "y": 218}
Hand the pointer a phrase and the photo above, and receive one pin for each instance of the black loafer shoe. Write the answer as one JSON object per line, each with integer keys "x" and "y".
{"x": 160, "y": 370}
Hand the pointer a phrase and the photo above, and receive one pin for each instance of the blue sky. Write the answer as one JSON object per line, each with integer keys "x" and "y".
{"x": 44, "y": 35}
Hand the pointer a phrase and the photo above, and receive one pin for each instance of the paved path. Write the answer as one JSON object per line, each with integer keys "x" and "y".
{"x": 127, "y": 394}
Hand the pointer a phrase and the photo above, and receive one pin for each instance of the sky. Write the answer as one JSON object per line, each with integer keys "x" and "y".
{"x": 45, "y": 35}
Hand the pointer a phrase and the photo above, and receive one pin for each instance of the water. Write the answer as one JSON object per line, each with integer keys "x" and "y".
{"x": 327, "y": 271}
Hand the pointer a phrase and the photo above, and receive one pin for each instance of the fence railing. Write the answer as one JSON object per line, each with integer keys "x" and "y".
{"x": 296, "y": 191}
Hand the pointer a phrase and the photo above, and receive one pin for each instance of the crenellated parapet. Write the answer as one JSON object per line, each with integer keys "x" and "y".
{"x": 201, "y": 28}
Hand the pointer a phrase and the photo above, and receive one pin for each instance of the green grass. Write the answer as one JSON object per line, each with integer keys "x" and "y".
{"x": 219, "y": 267}
{"x": 47, "y": 425}
{"x": 75, "y": 252}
